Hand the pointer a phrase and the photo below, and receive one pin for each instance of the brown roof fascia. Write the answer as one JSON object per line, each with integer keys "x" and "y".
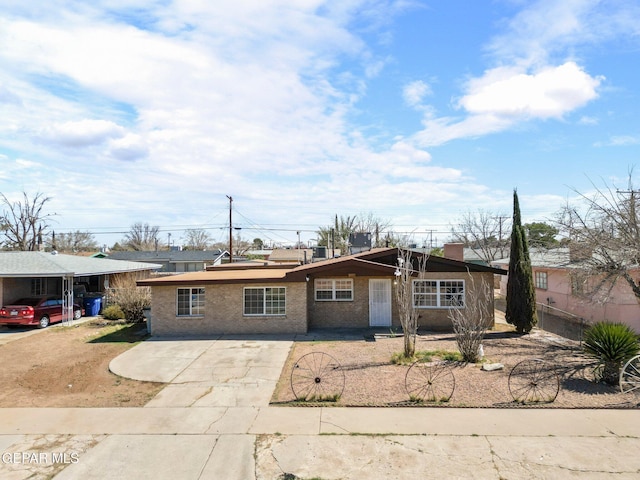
{"x": 261, "y": 265}
{"x": 341, "y": 267}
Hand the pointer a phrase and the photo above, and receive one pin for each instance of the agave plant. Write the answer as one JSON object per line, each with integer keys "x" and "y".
{"x": 612, "y": 344}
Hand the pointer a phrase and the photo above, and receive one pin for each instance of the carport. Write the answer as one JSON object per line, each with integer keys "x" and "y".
{"x": 25, "y": 274}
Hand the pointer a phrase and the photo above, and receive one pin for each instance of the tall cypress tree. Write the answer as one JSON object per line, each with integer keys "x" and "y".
{"x": 521, "y": 292}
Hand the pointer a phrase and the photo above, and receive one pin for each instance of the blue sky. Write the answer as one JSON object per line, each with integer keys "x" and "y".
{"x": 130, "y": 111}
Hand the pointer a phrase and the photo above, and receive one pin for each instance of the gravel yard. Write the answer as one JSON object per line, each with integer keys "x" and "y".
{"x": 370, "y": 379}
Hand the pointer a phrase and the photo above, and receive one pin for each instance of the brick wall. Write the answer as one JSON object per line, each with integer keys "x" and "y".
{"x": 223, "y": 312}
{"x": 342, "y": 314}
{"x": 355, "y": 314}
{"x": 438, "y": 319}
{"x": 223, "y": 309}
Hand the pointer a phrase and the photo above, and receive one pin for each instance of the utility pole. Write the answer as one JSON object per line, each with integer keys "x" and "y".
{"x": 500, "y": 219}
{"x": 230, "y": 230}
{"x": 333, "y": 253}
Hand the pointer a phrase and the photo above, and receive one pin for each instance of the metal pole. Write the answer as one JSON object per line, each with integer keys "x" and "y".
{"x": 230, "y": 231}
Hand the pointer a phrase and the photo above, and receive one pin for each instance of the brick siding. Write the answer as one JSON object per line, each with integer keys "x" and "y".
{"x": 223, "y": 312}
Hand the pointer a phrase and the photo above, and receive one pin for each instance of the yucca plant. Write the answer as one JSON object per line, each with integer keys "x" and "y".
{"x": 612, "y": 344}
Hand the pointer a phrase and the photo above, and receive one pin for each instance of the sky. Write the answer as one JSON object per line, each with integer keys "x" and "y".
{"x": 414, "y": 111}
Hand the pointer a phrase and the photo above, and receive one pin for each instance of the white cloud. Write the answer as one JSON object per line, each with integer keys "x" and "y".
{"x": 536, "y": 77}
{"x": 414, "y": 92}
{"x": 619, "y": 141}
{"x": 82, "y": 133}
{"x": 550, "y": 92}
{"x": 128, "y": 148}
{"x": 588, "y": 120}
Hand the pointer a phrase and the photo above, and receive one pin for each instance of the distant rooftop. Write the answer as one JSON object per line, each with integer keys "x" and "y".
{"x": 170, "y": 256}
{"x": 48, "y": 264}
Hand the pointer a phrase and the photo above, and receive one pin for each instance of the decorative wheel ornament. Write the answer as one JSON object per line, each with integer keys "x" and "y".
{"x": 630, "y": 375}
{"x": 430, "y": 382}
{"x": 534, "y": 381}
{"x": 318, "y": 377}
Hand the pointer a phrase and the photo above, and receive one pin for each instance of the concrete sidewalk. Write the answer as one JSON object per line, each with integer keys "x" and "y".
{"x": 328, "y": 443}
{"x": 213, "y": 421}
{"x": 321, "y": 421}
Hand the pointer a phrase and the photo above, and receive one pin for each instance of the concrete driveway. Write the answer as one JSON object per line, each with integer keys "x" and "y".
{"x": 227, "y": 371}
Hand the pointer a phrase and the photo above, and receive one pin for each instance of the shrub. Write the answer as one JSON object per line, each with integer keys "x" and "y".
{"x": 471, "y": 320}
{"x": 131, "y": 298}
{"x": 612, "y": 344}
{"x": 425, "y": 356}
{"x": 113, "y": 312}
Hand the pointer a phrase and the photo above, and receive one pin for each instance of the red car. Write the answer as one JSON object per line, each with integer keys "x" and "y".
{"x": 40, "y": 311}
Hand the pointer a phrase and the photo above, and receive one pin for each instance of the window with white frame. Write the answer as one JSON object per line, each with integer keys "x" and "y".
{"x": 334, "y": 289}
{"x": 190, "y": 302}
{"x": 264, "y": 301}
{"x": 541, "y": 280}
{"x": 438, "y": 293}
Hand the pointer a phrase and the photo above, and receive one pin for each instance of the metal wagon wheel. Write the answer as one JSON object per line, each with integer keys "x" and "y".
{"x": 430, "y": 382}
{"x": 317, "y": 376}
{"x": 630, "y": 375}
{"x": 534, "y": 381}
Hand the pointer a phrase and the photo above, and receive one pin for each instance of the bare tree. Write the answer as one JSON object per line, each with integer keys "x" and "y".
{"x": 24, "y": 223}
{"x": 73, "y": 242}
{"x": 604, "y": 239}
{"x": 486, "y": 233}
{"x": 409, "y": 266}
{"x": 337, "y": 235}
{"x": 378, "y": 227}
{"x": 142, "y": 237}
{"x": 471, "y": 320}
{"x": 197, "y": 239}
{"x": 240, "y": 246}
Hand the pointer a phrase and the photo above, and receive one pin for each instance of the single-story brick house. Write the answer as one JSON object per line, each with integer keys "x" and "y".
{"x": 355, "y": 291}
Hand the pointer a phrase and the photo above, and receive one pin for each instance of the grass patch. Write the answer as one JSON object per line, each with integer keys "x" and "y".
{"x": 121, "y": 333}
{"x": 420, "y": 400}
{"x": 322, "y": 398}
{"x": 425, "y": 356}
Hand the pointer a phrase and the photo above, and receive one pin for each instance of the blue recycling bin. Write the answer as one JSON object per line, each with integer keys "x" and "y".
{"x": 92, "y": 306}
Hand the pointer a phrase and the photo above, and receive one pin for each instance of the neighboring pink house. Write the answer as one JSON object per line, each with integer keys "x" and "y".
{"x": 560, "y": 285}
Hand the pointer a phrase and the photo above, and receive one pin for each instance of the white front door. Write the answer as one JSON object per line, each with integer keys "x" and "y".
{"x": 380, "y": 302}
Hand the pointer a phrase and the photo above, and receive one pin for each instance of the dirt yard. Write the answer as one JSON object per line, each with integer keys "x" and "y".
{"x": 69, "y": 367}
{"x": 370, "y": 379}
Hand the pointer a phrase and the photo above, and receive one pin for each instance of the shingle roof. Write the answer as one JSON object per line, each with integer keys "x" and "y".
{"x": 46, "y": 264}
{"x": 546, "y": 258}
{"x": 168, "y": 256}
